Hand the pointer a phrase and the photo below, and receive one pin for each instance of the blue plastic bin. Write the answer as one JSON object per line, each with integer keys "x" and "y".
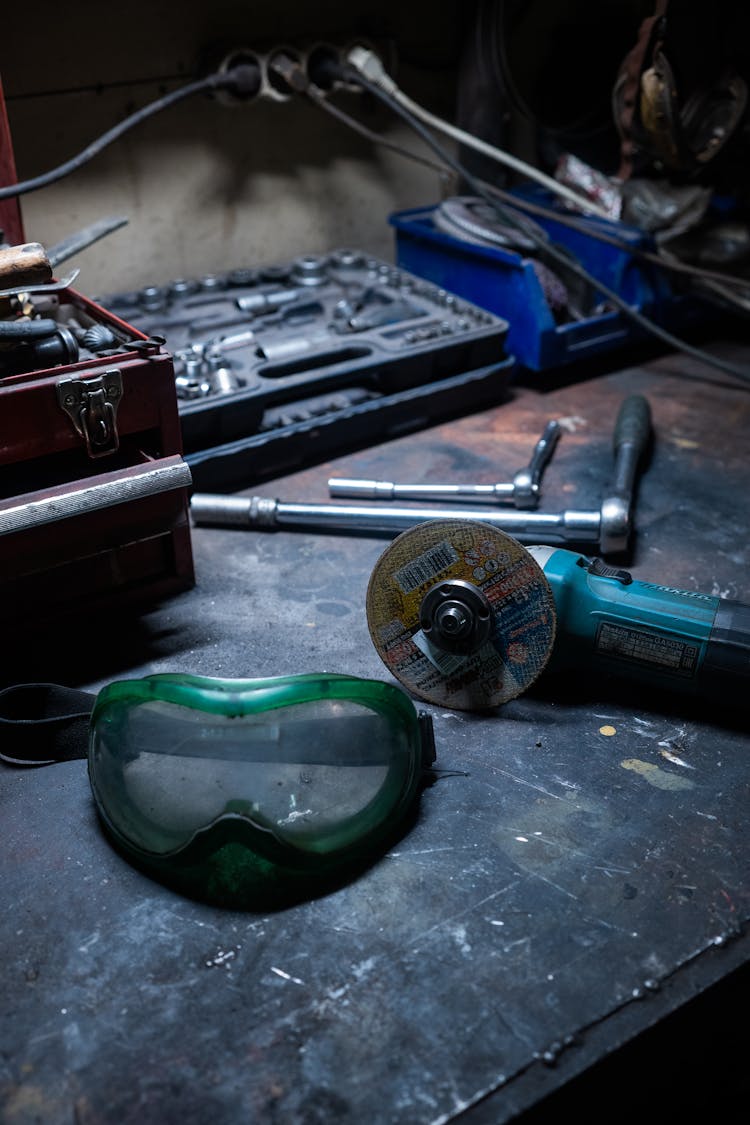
{"x": 504, "y": 282}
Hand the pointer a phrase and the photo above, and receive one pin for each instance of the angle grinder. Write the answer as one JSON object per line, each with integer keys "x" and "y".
{"x": 467, "y": 618}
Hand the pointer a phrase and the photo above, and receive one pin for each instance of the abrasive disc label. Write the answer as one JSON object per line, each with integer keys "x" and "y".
{"x": 424, "y": 568}
{"x": 523, "y": 613}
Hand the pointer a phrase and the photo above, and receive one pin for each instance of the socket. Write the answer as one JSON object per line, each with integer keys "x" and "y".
{"x": 319, "y": 60}
{"x": 236, "y": 59}
{"x": 323, "y": 59}
{"x": 274, "y": 85}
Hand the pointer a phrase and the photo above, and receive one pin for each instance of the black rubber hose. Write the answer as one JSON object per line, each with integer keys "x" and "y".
{"x": 17, "y": 330}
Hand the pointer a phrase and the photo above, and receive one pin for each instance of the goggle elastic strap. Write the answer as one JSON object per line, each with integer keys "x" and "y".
{"x": 41, "y": 724}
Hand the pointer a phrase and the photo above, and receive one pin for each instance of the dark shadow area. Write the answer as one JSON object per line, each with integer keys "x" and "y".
{"x": 692, "y": 1066}
{"x": 638, "y": 352}
{"x": 66, "y": 650}
{"x": 570, "y": 691}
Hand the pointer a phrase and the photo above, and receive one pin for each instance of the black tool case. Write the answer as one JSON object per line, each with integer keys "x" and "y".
{"x": 286, "y": 365}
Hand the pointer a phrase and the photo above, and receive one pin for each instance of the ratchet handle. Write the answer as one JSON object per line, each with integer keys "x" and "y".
{"x": 633, "y": 426}
{"x": 545, "y": 447}
{"x": 632, "y": 432}
{"x": 526, "y": 482}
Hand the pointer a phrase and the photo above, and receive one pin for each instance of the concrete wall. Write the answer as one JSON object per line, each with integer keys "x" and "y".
{"x": 207, "y": 186}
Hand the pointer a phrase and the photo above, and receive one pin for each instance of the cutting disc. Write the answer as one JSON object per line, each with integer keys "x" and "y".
{"x": 428, "y": 562}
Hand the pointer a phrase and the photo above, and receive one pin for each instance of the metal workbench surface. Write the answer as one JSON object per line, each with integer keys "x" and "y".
{"x": 579, "y": 869}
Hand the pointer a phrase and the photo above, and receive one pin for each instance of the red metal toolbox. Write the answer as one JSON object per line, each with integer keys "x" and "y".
{"x": 93, "y": 487}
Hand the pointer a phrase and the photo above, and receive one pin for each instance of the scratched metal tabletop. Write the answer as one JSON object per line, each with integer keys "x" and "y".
{"x": 578, "y": 870}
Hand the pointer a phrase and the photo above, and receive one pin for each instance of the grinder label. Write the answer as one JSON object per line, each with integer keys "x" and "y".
{"x": 670, "y": 653}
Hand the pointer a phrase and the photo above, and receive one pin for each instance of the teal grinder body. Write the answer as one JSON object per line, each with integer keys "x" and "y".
{"x": 609, "y": 622}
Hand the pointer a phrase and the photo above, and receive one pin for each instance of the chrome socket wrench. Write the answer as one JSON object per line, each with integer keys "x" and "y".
{"x": 523, "y": 490}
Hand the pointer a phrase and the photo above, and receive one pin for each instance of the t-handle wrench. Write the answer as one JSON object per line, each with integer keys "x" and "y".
{"x": 629, "y": 442}
{"x": 264, "y": 514}
{"x": 523, "y": 490}
{"x": 608, "y": 528}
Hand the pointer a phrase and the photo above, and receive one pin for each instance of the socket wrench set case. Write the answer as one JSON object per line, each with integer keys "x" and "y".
{"x": 289, "y": 364}
{"x": 94, "y": 491}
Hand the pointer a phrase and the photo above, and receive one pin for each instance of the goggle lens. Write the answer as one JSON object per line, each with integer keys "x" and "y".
{"x": 316, "y": 776}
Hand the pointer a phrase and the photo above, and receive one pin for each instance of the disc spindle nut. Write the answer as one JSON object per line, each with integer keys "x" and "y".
{"x": 456, "y": 616}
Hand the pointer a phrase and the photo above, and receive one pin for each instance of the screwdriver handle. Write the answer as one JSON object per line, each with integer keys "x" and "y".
{"x": 22, "y": 265}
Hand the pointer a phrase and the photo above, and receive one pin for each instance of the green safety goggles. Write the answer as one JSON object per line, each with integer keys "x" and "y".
{"x": 218, "y": 782}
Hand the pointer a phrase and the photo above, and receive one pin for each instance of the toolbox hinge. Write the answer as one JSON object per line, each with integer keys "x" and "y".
{"x": 91, "y": 404}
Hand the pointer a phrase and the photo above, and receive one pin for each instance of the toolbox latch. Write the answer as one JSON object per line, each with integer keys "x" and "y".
{"x": 91, "y": 404}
